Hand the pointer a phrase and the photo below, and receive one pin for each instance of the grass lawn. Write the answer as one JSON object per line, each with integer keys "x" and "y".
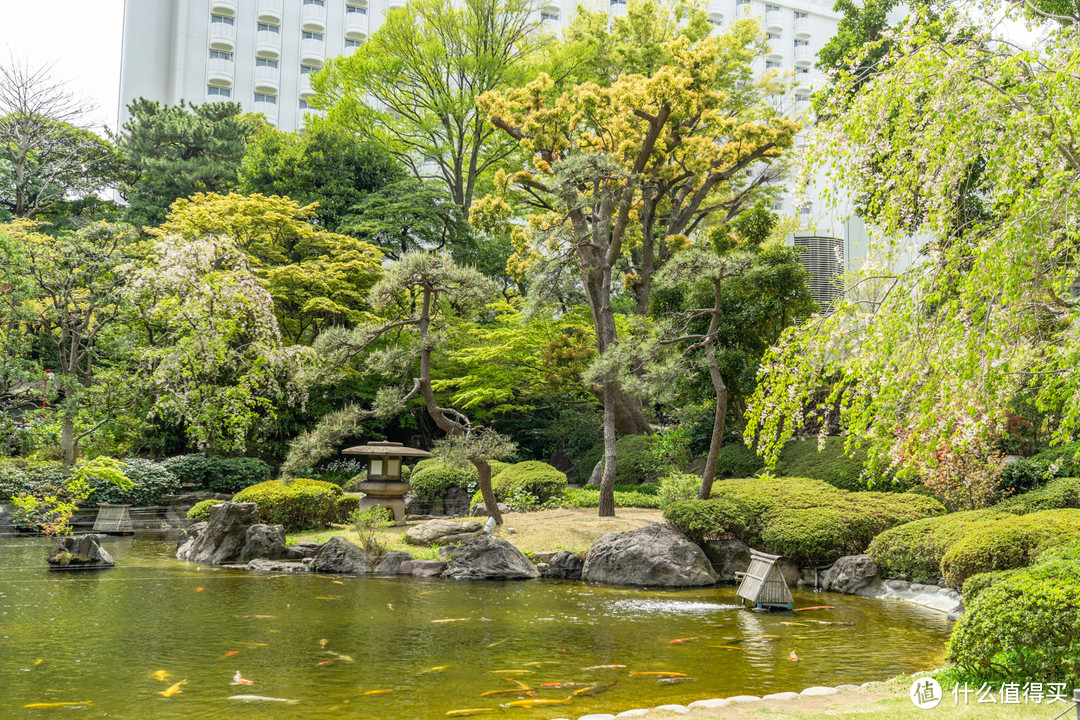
{"x": 557, "y": 529}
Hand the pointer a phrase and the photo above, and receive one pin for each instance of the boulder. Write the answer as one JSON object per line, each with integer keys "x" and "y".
{"x": 413, "y": 506}
{"x": 655, "y": 555}
{"x": 456, "y": 502}
{"x": 727, "y": 557}
{"x": 302, "y": 549}
{"x": 224, "y": 536}
{"x": 187, "y": 535}
{"x": 338, "y": 555}
{"x": 851, "y": 573}
{"x": 488, "y": 558}
{"x": 564, "y": 565}
{"x": 442, "y": 532}
{"x": 480, "y": 510}
{"x": 391, "y": 563}
{"x": 264, "y": 565}
{"x": 266, "y": 542}
{"x": 80, "y": 552}
{"x": 597, "y": 473}
{"x": 422, "y": 568}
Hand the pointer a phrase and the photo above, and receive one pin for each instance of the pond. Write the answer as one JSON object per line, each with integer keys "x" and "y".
{"x": 406, "y": 648}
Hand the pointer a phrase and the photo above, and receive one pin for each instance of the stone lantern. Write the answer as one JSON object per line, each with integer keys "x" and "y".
{"x": 384, "y": 487}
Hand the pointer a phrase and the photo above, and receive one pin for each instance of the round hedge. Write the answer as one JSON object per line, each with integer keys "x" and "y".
{"x": 808, "y": 521}
{"x": 1026, "y": 625}
{"x": 915, "y": 549}
{"x": 299, "y": 504}
{"x": 200, "y": 511}
{"x": 431, "y": 478}
{"x": 539, "y": 479}
{"x": 1056, "y": 494}
{"x": 633, "y": 464}
{"x": 737, "y": 461}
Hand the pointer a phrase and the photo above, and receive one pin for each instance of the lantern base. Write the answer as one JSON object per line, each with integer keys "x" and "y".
{"x": 394, "y": 505}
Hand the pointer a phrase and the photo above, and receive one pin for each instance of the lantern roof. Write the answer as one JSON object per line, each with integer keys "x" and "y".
{"x": 381, "y": 448}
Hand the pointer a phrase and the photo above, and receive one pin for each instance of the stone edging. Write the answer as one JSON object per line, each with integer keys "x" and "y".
{"x": 944, "y": 600}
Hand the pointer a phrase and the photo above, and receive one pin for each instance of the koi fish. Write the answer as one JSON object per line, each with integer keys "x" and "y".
{"x": 39, "y": 661}
{"x": 497, "y": 642}
{"x": 541, "y": 662}
{"x": 161, "y": 674}
{"x": 377, "y": 692}
{"x": 331, "y": 597}
{"x": 563, "y": 684}
{"x": 826, "y": 622}
{"x": 469, "y": 711}
{"x": 816, "y": 607}
{"x": 504, "y": 693}
{"x": 795, "y": 624}
{"x": 535, "y": 702}
{"x": 655, "y": 673}
{"x": 605, "y": 667}
{"x": 231, "y": 653}
{"x": 674, "y": 680}
{"x": 390, "y": 605}
{"x": 331, "y": 661}
{"x": 339, "y": 656}
{"x": 261, "y": 617}
{"x": 262, "y": 698}
{"x": 174, "y": 690}
{"x": 251, "y": 645}
{"x": 449, "y": 620}
{"x": 237, "y": 680}
{"x": 511, "y": 672}
{"x": 593, "y": 689}
{"x": 338, "y": 582}
{"x": 793, "y": 656}
{"x": 679, "y": 641}
{"x": 199, "y": 589}
{"x": 726, "y": 647}
{"x": 770, "y": 637}
{"x": 436, "y": 669}
{"x": 59, "y": 704}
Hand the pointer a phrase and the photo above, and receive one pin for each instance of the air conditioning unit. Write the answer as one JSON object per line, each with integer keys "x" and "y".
{"x": 823, "y": 258}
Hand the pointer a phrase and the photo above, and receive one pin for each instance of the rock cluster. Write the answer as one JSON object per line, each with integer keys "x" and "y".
{"x": 80, "y": 552}
{"x": 655, "y": 555}
{"x": 233, "y": 535}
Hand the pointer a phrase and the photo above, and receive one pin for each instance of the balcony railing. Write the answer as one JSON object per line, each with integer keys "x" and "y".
{"x": 313, "y": 18}
{"x": 774, "y": 21}
{"x": 267, "y": 43}
{"x": 267, "y": 79}
{"x": 268, "y": 109}
{"x": 804, "y": 56}
{"x": 223, "y": 7}
{"x": 269, "y": 11}
{"x": 802, "y": 28}
{"x": 222, "y": 36}
{"x": 312, "y": 50}
{"x": 220, "y": 71}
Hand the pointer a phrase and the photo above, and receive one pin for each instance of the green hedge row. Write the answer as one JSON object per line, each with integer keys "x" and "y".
{"x": 152, "y": 481}
{"x": 1023, "y": 625}
{"x": 299, "y": 504}
{"x": 633, "y": 464}
{"x": 586, "y": 497}
{"x": 218, "y": 474}
{"x": 431, "y": 478}
{"x": 808, "y": 521}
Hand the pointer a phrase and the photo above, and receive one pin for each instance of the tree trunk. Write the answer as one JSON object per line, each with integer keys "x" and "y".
{"x": 719, "y": 419}
{"x": 68, "y": 447}
{"x": 597, "y": 280}
{"x": 607, "y": 481}
{"x": 486, "y": 491}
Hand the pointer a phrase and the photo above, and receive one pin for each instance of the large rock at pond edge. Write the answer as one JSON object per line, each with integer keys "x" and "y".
{"x": 727, "y": 557}
{"x": 224, "y": 536}
{"x": 657, "y": 555}
{"x": 338, "y": 555}
{"x": 456, "y": 502}
{"x": 391, "y": 563}
{"x": 303, "y": 549}
{"x": 851, "y": 573}
{"x": 441, "y": 532}
{"x": 564, "y": 565}
{"x": 266, "y": 542}
{"x": 81, "y": 552}
{"x": 488, "y": 558}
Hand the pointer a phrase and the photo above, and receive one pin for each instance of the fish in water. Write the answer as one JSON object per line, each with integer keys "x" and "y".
{"x": 173, "y": 690}
{"x": 536, "y": 702}
{"x": 322, "y": 642}
{"x": 84, "y": 703}
{"x": 377, "y": 692}
{"x": 541, "y": 662}
{"x": 390, "y": 605}
{"x": 520, "y": 684}
{"x": 496, "y": 643}
{"x": 338, "y": 582}
{"x": 796, "y": 624}
{"x": 252, "y": 645}
{"x": 726, "y": 647}
{"x": 594, "y": 689}
{"x": 604, "y": 667}
{"x": 793, "y": 656}
{"x": 261, "y": 617}
{"x": 435, "y": 669}
{"x": 816, "y": 607}
{"x": 231, "y": 653}
{"x": 770, "y": 637}
{"x": 679, "y": 641}
{"x": 564, "y": 684}
{"x": 450, "y": 620}
{"x": 504, "y": 693}
{"x": 470, "y": 711}
{"x": 339, "y": 656}
{"x": 826, "y": 622}
{"x": 675, "y": 680}
{"x": 39, "y": 661}
{"x": 237, "y": 680}
{"x": 331, "y": 661}
{"x": 658, "y": 672}
{"x": 511, "y": 672}
{"x": 262, "y": 698}
{"x": 161, "y": 674}
{"x": 321, "y": 597}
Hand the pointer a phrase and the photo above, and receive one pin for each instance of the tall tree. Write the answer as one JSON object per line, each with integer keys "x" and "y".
{"x": 175, "y": 151}
{"x": 645, "y": 160}
{"x": 46, "y": 154}
{"x": 412, "y": 86}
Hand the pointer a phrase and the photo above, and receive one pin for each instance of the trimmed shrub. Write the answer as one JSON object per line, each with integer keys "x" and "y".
{"x": 537, "y": 478}
{"x": 634, "y": 464}
{"x": 1060, "y": 461}
{"x": 346, "y": 506}
{"x": 678, "y": 486}
{"x": 152, "y": 482}
{"x": 808, "y": 521}
{"x": 1011, "y": 542}
{"x": 737, "y": 461}
{"x": 200, "y": 511}
{"x": 915, "y": 549}
{"x": 431, "y": 479}
{"x": 299, "y": 504}
{"x": 30, "y": 476}
{"x": 801, "y": 458}
{"x": 218, "y": 474}
{"x": 1055, "y": 495}
{"x": 1024, "y": 626}
{"x": 588, "y": 498}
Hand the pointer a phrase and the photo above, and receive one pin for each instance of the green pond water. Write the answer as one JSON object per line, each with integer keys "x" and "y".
{"x": 100, "y": 636}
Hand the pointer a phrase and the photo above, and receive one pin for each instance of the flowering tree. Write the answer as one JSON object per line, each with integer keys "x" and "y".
{"x": 924, "y": 363}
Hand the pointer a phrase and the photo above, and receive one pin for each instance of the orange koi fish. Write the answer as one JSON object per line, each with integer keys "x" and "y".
{"x": 450, "y": 620}
{"x": 85, "y": 703}
{"x": 331, "y": 661}
{"x": 237, "y": 680}
{"x": 536, "y": 702}
{"x": 377, "y": 692}
{"x": 261, "y": 617}
{"x": 511, "y": 672}
{"x": 664, "y": 674}
{"x": 231, "y": 653}
{"x": 199, "y": 589}
{"x": 521, "y": 685}
{"x": 469, "y": 711}
{"x": 793, "y": 656}
{"x": 679, "y": 641}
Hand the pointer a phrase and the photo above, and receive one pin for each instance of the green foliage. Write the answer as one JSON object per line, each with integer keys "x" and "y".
{"x": 738, "y": 461}
{"x": 299, "y": 504}
{"x": 1059, "y": 461}
{"x": 808, "y": 521}
{"x": 676, "y": 486}
{"x": 670, "y": 451}
{"x": 1025, "y": 626}
{"x": 29, "y": 476}
{"x": 151, "y": 482}
{"x": 432, "y": 478}
{"x": 217, "y": 474}
{"x": 915, "y": 549}
{"x": 831, "y": 463}
{"x": 589, "y": 497}
{"x": 539, "y": 479}
{"x": 200, "y": 511}
{"x": 1011, "y": 542}
{"x": 1057, "y": 494}
{"x": 367, "y": 524}
{"x": 174, "y": 151}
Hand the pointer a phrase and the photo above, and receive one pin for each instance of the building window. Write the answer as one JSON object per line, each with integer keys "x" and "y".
{"x": 802, "y": 43}
{"x": 774, "y": 36}
{"x": 266, "y": 98}
{"x": 772, "y": 8}
{"x": 771, "y": 64}
{"x": 221, "y": 20}
{"x": 615, "y": 3}
{"x": 716, "y": 22}
{"x": 801, "y": 15}
{"x": 802, "y": 71}
{"x": 320, "y": 3}
{"x": 349, "y": 43}
{"x": 740, "y": 3}
{"x": 308, "y": 69}
{"x": 213, "y": 91}
{"x": 311, "y": 35}
{"x": 548, "y": 15}
{"x": 350, "y": 10}
{"x": 266, "y": 27}
{"x": 264, "y": 62}
{"x": 304, "y": 104}
{"x": 220, "y": 55}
